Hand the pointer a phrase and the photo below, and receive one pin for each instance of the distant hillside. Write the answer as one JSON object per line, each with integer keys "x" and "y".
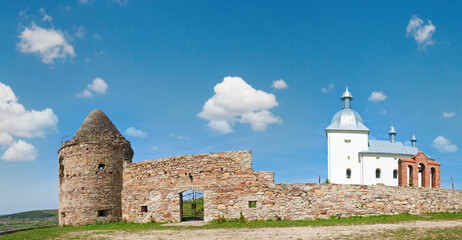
{"x": 31, "y": 215}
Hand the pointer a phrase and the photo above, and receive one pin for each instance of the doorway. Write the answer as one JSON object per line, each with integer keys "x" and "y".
{"x": 192, "y": 205}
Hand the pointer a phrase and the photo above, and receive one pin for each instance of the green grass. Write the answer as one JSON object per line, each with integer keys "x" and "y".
{"x": 406, "y": 234}
{"x": 29, "y": 219}
{"x": 55, "y": 232}
{"x": 189, "y": 214}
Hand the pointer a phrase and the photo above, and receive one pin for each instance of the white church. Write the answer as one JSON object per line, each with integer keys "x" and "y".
{"x": 354, "y": 159}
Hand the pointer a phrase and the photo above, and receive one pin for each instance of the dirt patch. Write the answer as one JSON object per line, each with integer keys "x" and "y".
{"x": 329, "y": 232}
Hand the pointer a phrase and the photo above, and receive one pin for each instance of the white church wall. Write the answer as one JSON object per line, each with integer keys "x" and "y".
{"x": 343, "y": 149}
{"x": 386, "y": 164}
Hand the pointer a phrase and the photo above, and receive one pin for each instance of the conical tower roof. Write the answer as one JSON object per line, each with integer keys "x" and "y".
{"x": 97, "y": 124}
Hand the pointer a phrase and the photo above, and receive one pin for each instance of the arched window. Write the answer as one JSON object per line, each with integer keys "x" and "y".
{"x": 432, "y": 177}
{"x": 378, "y": 172}
{"x": 348, "y": 173}
{"x": 395, "y": 174}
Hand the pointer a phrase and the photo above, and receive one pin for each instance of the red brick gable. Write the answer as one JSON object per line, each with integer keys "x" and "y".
{"x": 410, "y": 168}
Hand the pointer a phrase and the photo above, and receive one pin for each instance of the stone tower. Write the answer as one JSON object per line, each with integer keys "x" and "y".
{"x": 90, "y": 172}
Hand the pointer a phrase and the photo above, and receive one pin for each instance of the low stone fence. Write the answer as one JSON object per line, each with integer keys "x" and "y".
{"x": 311, "y": 201}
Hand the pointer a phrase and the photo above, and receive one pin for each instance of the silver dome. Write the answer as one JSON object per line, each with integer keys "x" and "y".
{"x": 347, "y": 119}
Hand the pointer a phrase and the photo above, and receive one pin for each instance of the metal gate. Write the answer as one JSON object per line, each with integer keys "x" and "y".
{"x": 192, "y": 202}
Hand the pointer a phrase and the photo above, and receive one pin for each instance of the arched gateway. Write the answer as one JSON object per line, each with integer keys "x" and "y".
{"x": 192, "y": 205}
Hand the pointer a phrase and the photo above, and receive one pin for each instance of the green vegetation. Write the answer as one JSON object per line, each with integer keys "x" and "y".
{"x": 189, "y": 213}
{"x": 31, "y": 215}
{"x": 30, "y": 219}
{"x": 55, "y": 232}
{"x": 437, "y": 233}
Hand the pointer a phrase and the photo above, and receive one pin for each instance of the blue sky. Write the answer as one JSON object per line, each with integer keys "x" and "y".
{"x": 151, "y": 66}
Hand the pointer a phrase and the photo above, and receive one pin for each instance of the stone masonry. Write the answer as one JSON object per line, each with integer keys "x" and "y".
{"x": 151, "y": 190}
{"x": 90, "y": 172}
{"x": 229, "y": 184}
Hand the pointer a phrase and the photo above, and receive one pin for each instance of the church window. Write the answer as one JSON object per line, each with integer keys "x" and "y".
{"x": 252, "y": 204}
{"x": 348, "y": 173}
{"x": 395, "y": 174}
{"x": 378, "y": 172}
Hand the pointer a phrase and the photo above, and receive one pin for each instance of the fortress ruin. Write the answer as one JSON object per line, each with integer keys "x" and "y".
{"x": 99, "y": 182}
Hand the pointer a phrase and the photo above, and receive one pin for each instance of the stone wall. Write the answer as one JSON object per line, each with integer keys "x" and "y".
{"x": 90, "y": 180}
{"x": 229, "y": 184}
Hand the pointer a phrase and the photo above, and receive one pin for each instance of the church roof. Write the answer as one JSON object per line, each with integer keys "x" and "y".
{"x": 379, "y": 146}
{"x": 347, "y": 119}
{"x": 97, "y": 123}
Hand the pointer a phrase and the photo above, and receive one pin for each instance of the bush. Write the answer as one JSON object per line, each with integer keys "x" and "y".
{"x": 221, "y": 219}
{"x": 242, "y": 218}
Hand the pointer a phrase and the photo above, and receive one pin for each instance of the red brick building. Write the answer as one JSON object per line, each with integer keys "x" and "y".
{"x": 418, "y": 171}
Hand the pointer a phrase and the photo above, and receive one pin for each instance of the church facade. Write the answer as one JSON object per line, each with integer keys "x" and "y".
{"x": 354, "y": 159}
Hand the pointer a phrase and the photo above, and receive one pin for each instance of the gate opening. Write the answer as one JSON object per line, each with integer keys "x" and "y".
{"x": 192, "y": 205}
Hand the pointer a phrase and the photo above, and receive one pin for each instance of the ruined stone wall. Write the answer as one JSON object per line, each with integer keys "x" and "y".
{"x": 90, "y": 179}
{"x": 229, "y": 184}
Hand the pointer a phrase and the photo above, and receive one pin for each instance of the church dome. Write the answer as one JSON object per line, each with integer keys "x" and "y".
{"x": 347, "y": 118}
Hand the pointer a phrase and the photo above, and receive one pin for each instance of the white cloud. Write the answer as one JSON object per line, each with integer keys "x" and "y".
{"x": 449, "y": 114}
{"x": 133, "y": 132}
{"x": 20, "y": 151}
{"x": 98, "y": 85}
{"x": 421, "y": 33}
{"x": 237, "y": 101}
{"x": 377, "y": 96}
{"x": 444, "y": 145}
{"x": 48, "y": 43}
{"x": 45, "y": 18}
{"x": 259, "y": 120}
{"x": 6, "y": 139}
{"x": 85, "y": 94}
{"x": 183, "y": 138}
{"x": 220, "y": 127}
{"x": 328, "y": 89}
{"x": 180, "y": 137}
{"x": 16, "y": 121}
{"x": 80, "y": 33}
{"x": 279, "y": 84}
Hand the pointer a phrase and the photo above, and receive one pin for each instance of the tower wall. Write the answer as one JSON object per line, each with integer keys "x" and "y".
{"x": 90, "y": 177}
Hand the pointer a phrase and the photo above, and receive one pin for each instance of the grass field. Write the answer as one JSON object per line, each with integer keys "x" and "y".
{"x": 55, "y": 232}
{"x": 189, "y": 213}
{"x": 30, "y": 219}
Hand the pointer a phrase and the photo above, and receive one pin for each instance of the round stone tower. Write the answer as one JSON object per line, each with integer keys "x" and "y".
{"x": 90, "y": 172}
